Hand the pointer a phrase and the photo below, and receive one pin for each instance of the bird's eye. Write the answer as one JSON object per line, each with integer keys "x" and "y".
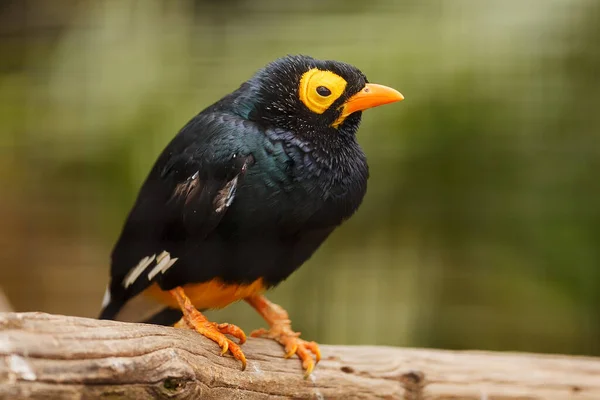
{"x": 318, "y": 89}
{"x": 323, "y": 91}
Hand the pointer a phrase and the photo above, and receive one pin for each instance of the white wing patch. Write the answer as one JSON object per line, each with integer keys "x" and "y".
{"x": 137, "y": 271}
{"x": 106, "y": 298}
{"x": 163, "y": 263}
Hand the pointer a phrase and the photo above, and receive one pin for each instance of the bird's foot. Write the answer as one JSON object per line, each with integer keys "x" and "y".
{"x": 292, "y": 344}
{"x": 281, "y": 331}
{"x": 224, "y": 328}
{"x": 193, "y": 319}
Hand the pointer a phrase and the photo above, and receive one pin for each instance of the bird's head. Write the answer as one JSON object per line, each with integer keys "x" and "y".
{"x": 306, "y": 96}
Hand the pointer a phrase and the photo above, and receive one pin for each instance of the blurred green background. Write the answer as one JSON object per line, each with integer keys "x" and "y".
{"x": 481, "y": 226}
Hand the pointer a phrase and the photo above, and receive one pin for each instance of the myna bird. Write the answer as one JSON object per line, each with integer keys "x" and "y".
{"x": 243, "y": 196}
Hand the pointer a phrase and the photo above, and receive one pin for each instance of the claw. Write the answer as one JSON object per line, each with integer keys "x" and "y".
{"x": 304, "y": 349}
{"x": 233, "y": 330}
{"x": 224, "y": 347}
{"x": 314, "y": 348}
{"x": 308, "y": 366}
{"x": 259, "y": 332}
{"x": 291, "y": 350}
{"x": 237, "y": 353}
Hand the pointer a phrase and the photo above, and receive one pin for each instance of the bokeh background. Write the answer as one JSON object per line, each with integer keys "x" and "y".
{"x": 481, "y": 226}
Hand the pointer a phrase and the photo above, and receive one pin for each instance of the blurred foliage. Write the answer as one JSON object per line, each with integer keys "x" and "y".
{"x": 481, "y": 227}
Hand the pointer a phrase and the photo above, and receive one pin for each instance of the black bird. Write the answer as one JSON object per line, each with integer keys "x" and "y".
{"x": 243, "y": 196}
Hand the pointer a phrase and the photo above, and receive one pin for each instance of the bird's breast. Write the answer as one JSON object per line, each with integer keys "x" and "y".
{"x": 294, "y": 186}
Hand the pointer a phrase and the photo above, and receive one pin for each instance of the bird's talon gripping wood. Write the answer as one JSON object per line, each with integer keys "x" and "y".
{"x": 241, "y": 197}
{"x": 281, "y": 331}
{"x": 290, "y": 347}
{"x": 233, "y": 330}
{"x": 314, "y": 348}
{"x": 192, "y": 318}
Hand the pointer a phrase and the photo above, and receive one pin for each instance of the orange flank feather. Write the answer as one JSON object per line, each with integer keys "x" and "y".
{"x": 212, "y": 294}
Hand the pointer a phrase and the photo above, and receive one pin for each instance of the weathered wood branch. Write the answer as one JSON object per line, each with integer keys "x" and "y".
{"x": 55, "y": 357}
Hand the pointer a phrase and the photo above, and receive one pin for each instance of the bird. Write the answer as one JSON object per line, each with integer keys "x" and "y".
{"x": 241, "y": 197}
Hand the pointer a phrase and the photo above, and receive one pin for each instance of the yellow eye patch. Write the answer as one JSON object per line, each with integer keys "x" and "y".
{"x": 320, "y": 89}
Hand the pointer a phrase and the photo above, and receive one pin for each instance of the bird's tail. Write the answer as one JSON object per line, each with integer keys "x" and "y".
{"x": 138, "y": 309}
{"x": 110, "y": 305}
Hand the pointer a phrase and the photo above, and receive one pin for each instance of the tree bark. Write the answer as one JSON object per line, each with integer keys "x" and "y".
{"x": 46, "y": 356}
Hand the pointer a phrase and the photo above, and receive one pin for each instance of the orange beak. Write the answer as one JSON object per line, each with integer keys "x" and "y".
{"x": 372, "y": 95}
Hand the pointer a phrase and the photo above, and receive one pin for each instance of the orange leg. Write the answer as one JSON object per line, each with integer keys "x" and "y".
{"x": 281, "y": 331}
{"x": 193, "y": 319}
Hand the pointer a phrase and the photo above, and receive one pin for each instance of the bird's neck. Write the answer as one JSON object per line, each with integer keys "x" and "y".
{"x": 334, "y": 166}
{"x": 329, "y": 159}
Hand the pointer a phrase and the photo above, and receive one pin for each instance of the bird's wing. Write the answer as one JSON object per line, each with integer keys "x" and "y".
{"x": 188, "y": 191}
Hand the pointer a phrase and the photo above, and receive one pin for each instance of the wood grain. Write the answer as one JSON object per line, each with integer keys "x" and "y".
{"x": 46, "y": 356}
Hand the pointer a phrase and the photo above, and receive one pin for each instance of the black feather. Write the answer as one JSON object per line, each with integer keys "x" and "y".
{"x": 248, "y": 189}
